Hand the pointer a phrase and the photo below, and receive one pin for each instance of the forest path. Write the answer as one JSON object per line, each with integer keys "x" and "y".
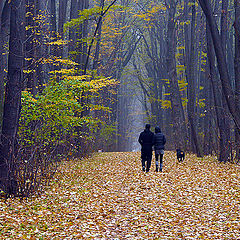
{"x": 108, "y": 197}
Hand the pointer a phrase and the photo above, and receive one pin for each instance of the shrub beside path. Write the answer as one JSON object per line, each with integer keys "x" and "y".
{"x": 108, "y": 197}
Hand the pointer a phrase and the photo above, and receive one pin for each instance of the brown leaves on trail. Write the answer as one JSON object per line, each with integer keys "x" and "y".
{"x": 109, "y": 197}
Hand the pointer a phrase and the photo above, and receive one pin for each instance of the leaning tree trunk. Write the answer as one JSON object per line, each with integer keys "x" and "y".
{"x": 222, "y": 64}
{"x": 12, "y": 102}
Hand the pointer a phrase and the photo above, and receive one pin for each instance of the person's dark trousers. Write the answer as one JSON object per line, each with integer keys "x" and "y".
{"x": 146, "y": 157}
{"x": 161, "y": 161}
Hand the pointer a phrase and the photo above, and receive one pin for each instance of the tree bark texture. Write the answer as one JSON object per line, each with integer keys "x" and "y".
{"x": 12, "y": 101}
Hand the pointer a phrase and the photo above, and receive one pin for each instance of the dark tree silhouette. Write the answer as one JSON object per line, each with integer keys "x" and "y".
{"x": 222, "y": 64}
{"x": 12, "y": 101}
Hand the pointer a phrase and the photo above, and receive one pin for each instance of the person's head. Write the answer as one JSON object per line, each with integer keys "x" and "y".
{"x": 147, "y": 126}
{"x": 157, "y": 129}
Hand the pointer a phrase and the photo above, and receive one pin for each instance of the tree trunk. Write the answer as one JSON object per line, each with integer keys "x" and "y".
{"x": 209, "y": 114}
{"x": 53, "y": 27}
{"x": 123, "y": 100}
{"x": 225, "y": 121}
{"x": 192, "y": 86}
{"x": 30, "y": 46}
{"x": 237, "y": 70}
{"x": 98, "y": 41}
{"x": 1, "y": 61}
{"x": 61, "y": 20}
{"x": 224, "y": 25}
{"x": 81, "y": 45}
{"x": 41, "y": 48}
{"x": 179, "y": 130}
{"x": 12, "y": 102}
{"x": 88, "y": 47}
{"x": 222, "y": 65}
{"x": 217, "y": 96}
{"x": 72, "y": 33}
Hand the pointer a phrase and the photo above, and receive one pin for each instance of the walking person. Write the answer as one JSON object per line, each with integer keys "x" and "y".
{"x": 146, "y": 141}
{"x": 159, "y": 141}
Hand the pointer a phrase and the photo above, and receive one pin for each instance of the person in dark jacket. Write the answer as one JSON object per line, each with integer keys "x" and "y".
{"x": 159, "y": 141}
{"x": 146, "y": 141}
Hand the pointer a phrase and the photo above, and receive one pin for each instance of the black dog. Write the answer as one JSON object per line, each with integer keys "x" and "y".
{"x": 180, "y": 155}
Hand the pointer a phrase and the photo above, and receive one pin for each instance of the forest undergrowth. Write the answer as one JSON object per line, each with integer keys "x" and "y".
{"x": 108, "y": 197}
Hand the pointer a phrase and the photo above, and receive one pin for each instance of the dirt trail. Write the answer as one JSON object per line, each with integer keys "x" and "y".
{"x": 109, "y": 197}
